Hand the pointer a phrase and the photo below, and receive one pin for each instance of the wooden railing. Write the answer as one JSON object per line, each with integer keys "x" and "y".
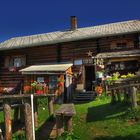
{"x": 128, "y": 88}
{"x": 26, "y": 112}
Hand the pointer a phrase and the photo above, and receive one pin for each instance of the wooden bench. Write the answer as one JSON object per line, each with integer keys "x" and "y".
{"x": 64, "y": 117}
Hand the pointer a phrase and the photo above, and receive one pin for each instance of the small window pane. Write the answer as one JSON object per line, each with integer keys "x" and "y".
{"x": 78, "y": 62}
{"x": 17, "y": 62}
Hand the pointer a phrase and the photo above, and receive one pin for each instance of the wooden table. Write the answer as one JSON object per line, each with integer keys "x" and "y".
{"x": 64, "y": 115}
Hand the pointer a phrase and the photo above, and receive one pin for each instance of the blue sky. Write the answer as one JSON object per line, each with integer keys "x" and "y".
{"x": 27, "y": 17}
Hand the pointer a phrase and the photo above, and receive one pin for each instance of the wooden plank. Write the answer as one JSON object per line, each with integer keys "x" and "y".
{"x": 16, "y": 96}
{"x": 123, "y": 86}
{"x": 66, "y": 110}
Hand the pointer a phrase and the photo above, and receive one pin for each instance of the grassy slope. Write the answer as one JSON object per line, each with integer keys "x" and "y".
{"x": 100, "y": 120}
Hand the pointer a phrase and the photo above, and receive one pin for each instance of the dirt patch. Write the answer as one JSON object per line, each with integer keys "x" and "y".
{"x": 97, "y": 132}
{"x": 132, "y": 122}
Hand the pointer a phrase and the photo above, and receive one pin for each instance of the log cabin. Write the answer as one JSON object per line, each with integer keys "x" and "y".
{"x": 112, "y": 47}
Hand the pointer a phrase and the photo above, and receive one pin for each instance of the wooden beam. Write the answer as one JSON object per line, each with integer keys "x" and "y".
{"x": 22, "y": 96}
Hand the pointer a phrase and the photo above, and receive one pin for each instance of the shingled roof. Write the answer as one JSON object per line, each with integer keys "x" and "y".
{"x": 118, "y": 28}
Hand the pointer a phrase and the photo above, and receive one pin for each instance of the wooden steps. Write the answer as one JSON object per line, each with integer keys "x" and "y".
{"x": 83, "y": 97}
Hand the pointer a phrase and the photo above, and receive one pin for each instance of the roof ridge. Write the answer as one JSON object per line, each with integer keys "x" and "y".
{"x": 115, "y": 28}
{"x": 67, "y": 30}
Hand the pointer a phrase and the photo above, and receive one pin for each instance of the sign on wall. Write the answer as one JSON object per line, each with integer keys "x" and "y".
{"x": 78, "y": 62}
{"x": 88, "y": 61}
{"x": 40, "y": 79}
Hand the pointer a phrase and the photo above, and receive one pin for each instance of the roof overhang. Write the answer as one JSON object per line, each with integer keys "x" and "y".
{"x": 54, "y": 69}
{"x": 118, "y": 54}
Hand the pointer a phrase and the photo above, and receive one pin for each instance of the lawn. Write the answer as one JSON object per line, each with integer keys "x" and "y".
{"x": 97, "y": 120}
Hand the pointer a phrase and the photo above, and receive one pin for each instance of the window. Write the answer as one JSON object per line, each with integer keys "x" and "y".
{"x": 52, "y": 82}
{"x": 121, "y": 45}
{"x": 16, "y": 61}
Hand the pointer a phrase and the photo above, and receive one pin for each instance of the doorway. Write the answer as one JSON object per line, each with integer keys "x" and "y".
{"x": 89, "y": 77}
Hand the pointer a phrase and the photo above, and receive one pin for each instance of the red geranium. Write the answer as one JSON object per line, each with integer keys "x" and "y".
{"x": 38, "y": 92}
{"x": 27, "y": 89}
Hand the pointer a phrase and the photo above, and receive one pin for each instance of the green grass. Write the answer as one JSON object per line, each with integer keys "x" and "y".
{"x": 97, "y": 120}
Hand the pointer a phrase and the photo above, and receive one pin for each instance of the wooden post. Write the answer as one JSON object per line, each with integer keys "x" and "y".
{"x": 50, "y": 106}
{"x": 118, "y": 95}
{"x": 35, "y": 113}
{"x": 28, "y": 119}
{"x": 133, "y": 97}
{"x": 59, "y": 125}
{"x": 68, "y": 120}
{"x": 7, "y": 120}
{"x": 113, "y": 100}
{"x": 126, "y": 97}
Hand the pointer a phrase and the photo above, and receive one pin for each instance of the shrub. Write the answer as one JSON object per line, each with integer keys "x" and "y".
{"x": 19, "y": 136}
{"x": 132, "y": 114}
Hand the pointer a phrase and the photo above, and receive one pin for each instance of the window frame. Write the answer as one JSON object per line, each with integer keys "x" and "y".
{"x": 10, "y": 61}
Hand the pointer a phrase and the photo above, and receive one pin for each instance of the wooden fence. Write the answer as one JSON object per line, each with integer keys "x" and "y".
{"x": 25, "y": 109}
{"x": 128, "y": 89}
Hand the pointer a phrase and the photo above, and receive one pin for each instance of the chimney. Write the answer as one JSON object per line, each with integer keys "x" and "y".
{"x": 73, "y": 23}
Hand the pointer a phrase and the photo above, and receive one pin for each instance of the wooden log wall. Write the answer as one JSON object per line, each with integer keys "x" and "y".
{"x": 70, "y": 51}
{"x": 108, "y": 44}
